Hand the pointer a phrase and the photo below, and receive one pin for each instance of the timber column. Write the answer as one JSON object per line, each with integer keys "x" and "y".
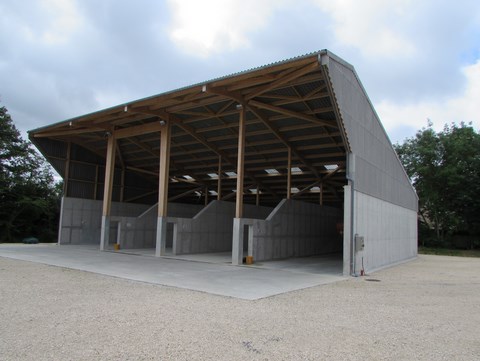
{"x": 163, "y": 179}
{"x": 238, "y": 226}
{"x": 107, "y": 191}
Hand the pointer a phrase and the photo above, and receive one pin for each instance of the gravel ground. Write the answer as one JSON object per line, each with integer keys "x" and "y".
{"x": 427, "y": 309}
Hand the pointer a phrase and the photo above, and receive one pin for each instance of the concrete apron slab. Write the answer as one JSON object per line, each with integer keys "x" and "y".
{"x": 244, "y": 282}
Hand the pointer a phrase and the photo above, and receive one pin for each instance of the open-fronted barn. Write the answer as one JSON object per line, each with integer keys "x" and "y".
{"x": 285, "y": 160}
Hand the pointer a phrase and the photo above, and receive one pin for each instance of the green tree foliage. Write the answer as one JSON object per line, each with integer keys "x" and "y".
{"x": 445, "y": 170}
{"x": 29, "y": 197}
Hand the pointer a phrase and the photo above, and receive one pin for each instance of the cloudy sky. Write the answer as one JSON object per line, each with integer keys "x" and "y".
{"x": 417, "y": 59}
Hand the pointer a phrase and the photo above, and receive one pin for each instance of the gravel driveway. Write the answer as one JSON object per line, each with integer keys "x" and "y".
{"x": 427, "y": 309}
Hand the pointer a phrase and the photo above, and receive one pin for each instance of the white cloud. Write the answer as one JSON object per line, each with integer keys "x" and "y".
{"x": 213, "y": 26}
{"x": 463, "y": 107}
{"x": 64, "y": 20}
{"x": 372, "y": 26}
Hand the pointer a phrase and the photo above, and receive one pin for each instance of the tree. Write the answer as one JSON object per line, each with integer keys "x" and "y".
{"x": 28, "y": 194}
{"x": 445, "y": 170}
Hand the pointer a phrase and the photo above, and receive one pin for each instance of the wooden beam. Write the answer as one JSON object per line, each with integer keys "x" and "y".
{"x": 233, "y": 194}
{"x": 183, "y": 180}
{"x": 327, "y": 176}
{"x": 307, "y": 188}
{"x": 240, "y": 163}
{"x": 186, "y": 193}
{"x": 192, "y": 132}
{"x": 119, "y": 154}
{"x": 151, "y": 151}
{"x": 109, "y": 172}
{"x": 67, "y": 169}
{"x": 199, "y": 138}
{"x": 283, "y": 79}
{"x": 260, "y": 115}
{"x": 138, "y": 130}
{"x": 223, "y": 92}
{"x": 263, "y": 73}
{"x": 68, "y": 131}
{"x": 140, "y": 170}
{"x": 141, "y": 196}
{"x": 163, "y": 177}
{"x": 293, "y": 114}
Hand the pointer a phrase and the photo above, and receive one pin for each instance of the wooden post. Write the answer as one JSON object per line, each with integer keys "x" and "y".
{"x": 289, "y": 173}
{"x": 219, "y": 181}
{"x": 238, "y": 226}
{"x": 66, "y": 175}
{"x": 109, "y": 173}
{"x": 240, "y": 162}
{"x": 163, "y": 179}
{"x": 164, "y": 170}
{"x": 107, "y": 192}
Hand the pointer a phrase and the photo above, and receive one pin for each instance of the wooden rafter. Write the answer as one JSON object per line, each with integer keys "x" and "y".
{"x": 186, "y": 193}
{"x": 282, "y": 138}
{"x": 290, "y": 106}
{"x": 293, "y": 114}
{"x": 189, "y": 130}
{"x": 68, "y": 131}
{"x": 283, "y": 79}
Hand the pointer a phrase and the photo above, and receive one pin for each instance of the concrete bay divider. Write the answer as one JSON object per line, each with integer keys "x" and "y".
{"x": 292, "y": 229}
{"x": 211, "y": 229}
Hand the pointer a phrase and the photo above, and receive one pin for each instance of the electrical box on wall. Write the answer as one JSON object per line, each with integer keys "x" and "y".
{"x": 359, "y": 243}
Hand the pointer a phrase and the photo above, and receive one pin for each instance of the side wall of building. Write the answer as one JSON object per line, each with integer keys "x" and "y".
{"x": 389, "y": 231}
{"x": 296, "y": 229}
{"x": 385, "y": 203}
{"x": 377, "y": 169}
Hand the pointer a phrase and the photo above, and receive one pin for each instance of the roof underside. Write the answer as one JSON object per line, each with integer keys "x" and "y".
{"x": 289, "y": 105}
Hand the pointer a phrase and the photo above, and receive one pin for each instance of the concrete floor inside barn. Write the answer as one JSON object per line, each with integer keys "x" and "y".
{"x": 209, "y": 273}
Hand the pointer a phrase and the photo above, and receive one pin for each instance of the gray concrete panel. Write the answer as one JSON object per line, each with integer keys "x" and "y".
{"x": 296, "y": 229}
{"x": 368, "y": 139}
{"x": 210, "y": 230}
{"x": 389, "y": 230}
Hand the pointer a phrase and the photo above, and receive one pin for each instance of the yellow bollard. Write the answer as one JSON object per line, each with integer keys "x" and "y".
{"x": 116, "y": 247}
{"x": 249, "y": 260}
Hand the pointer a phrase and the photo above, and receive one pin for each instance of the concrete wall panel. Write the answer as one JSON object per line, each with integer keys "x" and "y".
{"x": 296, "y": 229}
{"x": 210, "y": 230}
{"x": 81, "y": 221}
{"x": 390, "y": 232}
{"x": 375, "y": 157}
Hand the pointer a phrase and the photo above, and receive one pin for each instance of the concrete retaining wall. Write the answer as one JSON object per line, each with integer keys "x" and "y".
{"x": 81, "y": 222}
{"x": 211, "y": 229}
{"x": 296, "y": 229}
{"x": 389, "y": 231}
